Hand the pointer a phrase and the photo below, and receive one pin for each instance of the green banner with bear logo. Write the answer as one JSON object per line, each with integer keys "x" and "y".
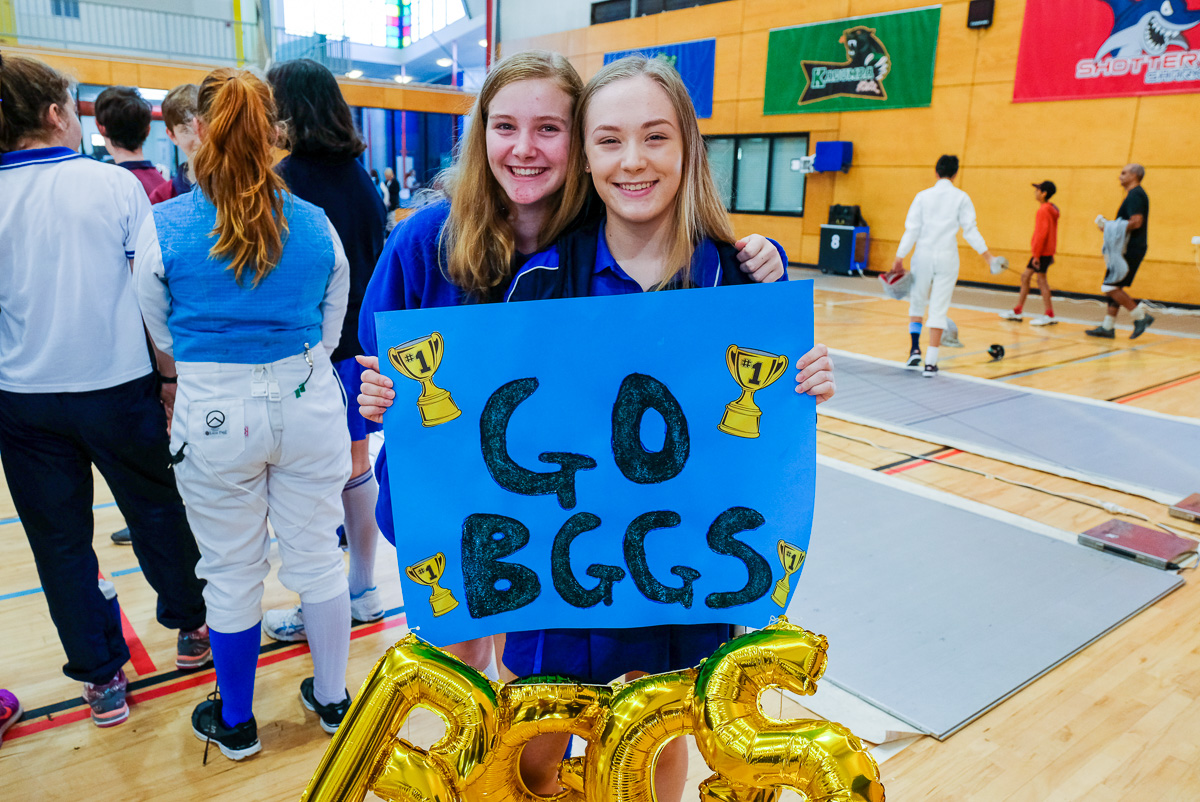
{"x": 883, "y": 61}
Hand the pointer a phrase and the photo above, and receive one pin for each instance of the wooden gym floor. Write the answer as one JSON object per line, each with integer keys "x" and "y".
{"x": 1120, "y": 720}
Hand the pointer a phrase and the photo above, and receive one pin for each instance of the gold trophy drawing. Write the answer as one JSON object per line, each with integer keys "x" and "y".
{"x": 428, "y": 572}
{"x": 792, "y": 558}
{"x": 752, "y": 370}
{"x": 418, "y": 360}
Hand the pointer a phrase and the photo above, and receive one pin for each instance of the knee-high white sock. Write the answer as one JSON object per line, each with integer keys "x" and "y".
{"x": 362, "y": 535}
{"x": 328, "y": 628}
{"x": 931, "y": 355}
{"x": 1138, "y": 312}
{"x": 1109, "y": 323}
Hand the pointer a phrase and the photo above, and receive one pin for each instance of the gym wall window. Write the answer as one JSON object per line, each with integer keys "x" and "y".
{"x": 759, "y": 174}
{"x": 65, "y": 8}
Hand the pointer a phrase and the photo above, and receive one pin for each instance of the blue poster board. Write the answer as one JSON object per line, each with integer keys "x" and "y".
{"x": 594, "y": 462}
{"x": 696, "y": 63}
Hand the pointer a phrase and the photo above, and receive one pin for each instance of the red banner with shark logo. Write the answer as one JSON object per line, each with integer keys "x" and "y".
{"x": 1075, "y": 49}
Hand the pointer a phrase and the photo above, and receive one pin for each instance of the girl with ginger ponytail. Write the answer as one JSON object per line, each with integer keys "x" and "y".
{"x": 246, "y": 285}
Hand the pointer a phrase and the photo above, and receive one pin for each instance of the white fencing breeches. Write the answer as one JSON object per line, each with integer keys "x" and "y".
{"x": 254, "y": 452}
{"x": 934, "y": 276}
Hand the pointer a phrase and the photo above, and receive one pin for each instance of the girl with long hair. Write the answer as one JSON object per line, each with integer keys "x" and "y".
{"x": 664, "y": 227}
{"x": 77, "y": 388}
{"x": 322, "y": 168}
{"x": 517, "y": 185}
{"x": 247, "y": 285}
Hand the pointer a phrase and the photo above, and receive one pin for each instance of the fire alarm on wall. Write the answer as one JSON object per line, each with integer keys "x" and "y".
{"x": 979, "y": 13}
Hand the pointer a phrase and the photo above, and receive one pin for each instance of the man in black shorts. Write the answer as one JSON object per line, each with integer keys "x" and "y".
{"x": 1136, "y": 209}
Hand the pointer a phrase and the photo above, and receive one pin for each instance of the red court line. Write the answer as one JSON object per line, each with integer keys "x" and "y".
{"x": 1158, "y": 389}
{"x": 203, "y": 678}
{"x": 919, "y": 461}
{"x": 138, "y": 655}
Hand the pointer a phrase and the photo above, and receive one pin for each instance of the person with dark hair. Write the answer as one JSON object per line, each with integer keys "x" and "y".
{"x": 1045, "y": 241}
{"x": 379, "y": 187}
{"x": 932, "y": 226}
{"x": 77, "y": 389}
{"x": 179, "y": 115}
{"x": 323, "y": 169}
{"x": 1134, "y": 217}
{"x": 393, "y": 190}
{"x": 123, "y": 117}
{"x": 246, "y": 285}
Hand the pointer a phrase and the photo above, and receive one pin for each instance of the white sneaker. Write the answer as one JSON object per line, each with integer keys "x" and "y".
{"x": 286, "y": 624}
{"x": 1008, "y": 314}
{"x": 1043, "y": 320}
{"x": 367, "y": 606}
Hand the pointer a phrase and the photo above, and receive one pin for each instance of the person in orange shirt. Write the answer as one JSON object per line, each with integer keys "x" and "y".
{"x": 1045, "y": 241}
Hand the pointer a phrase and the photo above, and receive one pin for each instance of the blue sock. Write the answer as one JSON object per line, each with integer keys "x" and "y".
{"x": 914, "y": 331}
{"x": 235, "y": 656}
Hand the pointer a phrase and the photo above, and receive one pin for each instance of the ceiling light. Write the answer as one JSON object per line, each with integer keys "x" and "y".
{"x": 402, "y": 79}
{"x": 444, "y": 62}
{"x": 483, "y": 42}
{"x": 354, "y": 74}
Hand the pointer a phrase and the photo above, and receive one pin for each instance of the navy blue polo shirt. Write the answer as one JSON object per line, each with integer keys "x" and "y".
{"x": 609, "y": 278}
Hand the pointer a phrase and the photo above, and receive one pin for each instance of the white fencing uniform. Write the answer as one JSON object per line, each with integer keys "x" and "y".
{"x": 253, "y": 449}
{"x": 932, "y": 227}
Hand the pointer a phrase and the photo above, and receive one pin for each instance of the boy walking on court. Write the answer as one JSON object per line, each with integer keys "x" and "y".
{"x": 1045, "y": 241}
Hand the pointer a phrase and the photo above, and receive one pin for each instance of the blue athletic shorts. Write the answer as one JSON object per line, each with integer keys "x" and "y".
{"x": 599, "y": 656}
{"x": 350, "y": 372}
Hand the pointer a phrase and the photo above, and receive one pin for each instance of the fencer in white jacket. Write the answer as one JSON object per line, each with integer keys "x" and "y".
{"x": 934, "y": 220}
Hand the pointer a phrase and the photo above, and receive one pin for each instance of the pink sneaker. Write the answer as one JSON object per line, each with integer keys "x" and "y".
{"x": 10, "y": 711}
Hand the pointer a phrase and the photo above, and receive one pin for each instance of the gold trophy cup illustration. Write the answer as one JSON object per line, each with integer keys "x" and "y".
{"x": 428, "y": 572}
{"x": 792, "y": 558}
{"x": 752, "y": 370}
{"x": 418, "y": 360}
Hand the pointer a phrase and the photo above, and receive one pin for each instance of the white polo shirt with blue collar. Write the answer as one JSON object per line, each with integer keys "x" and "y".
{"x": 69, "y": 319}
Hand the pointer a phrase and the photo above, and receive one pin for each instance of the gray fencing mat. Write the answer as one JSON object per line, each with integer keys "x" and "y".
{"x": 1135, "y": 451}
{"x": 937, "y": 608}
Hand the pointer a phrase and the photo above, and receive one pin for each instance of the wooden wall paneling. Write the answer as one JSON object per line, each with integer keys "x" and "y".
{"x": 1055, "y": 134}
{"x": 996, "y": 55}
{"x": 724, "y": 119}
{"x": 623, "y": 34}
{"x": 701, "y": 22}
{"x": 956, "y": 48}
{"x": 726, "y": 83}
{"x": 752, "y": 70}
{"x": 1166, "y": 133}
{"x": 909, "y": 137}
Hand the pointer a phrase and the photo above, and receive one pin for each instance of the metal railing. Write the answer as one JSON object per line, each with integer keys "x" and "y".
{"x": 97, "y": 27}
{"x": 333, "y": 53}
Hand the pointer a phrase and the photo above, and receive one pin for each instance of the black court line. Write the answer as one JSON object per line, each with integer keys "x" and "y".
{"x": 908, "y": 460}
{"x": 1117, "y": 398}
